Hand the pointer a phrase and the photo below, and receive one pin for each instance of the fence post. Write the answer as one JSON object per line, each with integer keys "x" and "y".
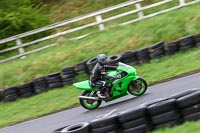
{"x": 21, "y": 49}
{"x": 99, "y": 19}
{"x": 60, "y": 37}
{"x": 139, "y": 7}
{"x": 182, "y": 2}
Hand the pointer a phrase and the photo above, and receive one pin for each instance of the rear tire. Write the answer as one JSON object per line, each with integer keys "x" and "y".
{"x": 137, "y": 87}
{"x": 89, "y": 104}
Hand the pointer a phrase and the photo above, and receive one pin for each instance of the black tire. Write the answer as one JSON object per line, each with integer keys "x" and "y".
{"x": 156, "y": 46}
{"x": 185, "y": 48}
{"x": 192, "y": 117}
{"x": 54, "y": 79}
{"x": 189, "y": 100}
{"x": 41, "y": 83}
{"x": 157, "y": 54}
{"x": 129, "y": 57}
{"x": 83, "y": 102}
{"x": 10, "y": 97}
{"x": 162, "y": 107}
{"x": 26, "y": 88}
{"x": 67, "y": 76}
{"x": 78, "y": 128}
{"x": 181, "y": 94}
{"x": 139, "y": 129}
{"x": 55, "y": 85}
{"x": 113, "y": 59}
{"x": 143, "y": 51}
{"x": 143, "y": 57}
{"x": 134, "y": 123}
{"x": 169, "y": 124}
{"x": 140, "y": 82}
{"x": 128, "y": 54}
{"x": 191, "y": 110}
{"x": 105, "y": 129}
{"x": 165, "y": 117}
{"x": 171, "y": 44}
{"x": 60, "y": 130}
{"x": 69, "y": 70}
{"x": 132, "y": 114}
{"x": 40, "y": 79}
{"x": 82, "y": 71}
{"x": 186, "y": 39}
{"x": 9, "y": 91}
{"x": 90, "y": 64}
{"x": 1, "y": 95}
{"x": 157, "y": 51}
{"x": 38, "y": 86}
{"x": 53, "y": 74}
{"x": 80, "y": 66}
{"x": 153, "y": 102}
{"x": 26, "y": 95}
{"x": 39, "y": 90}
{"x": 197, "y": 39}
{"x": 130, "y": 61}
{"x": 103, "y": 122}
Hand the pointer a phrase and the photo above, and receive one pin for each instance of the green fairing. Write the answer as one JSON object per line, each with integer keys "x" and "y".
{"x": 84, "y": 85}
{"x": 120, "y": 86}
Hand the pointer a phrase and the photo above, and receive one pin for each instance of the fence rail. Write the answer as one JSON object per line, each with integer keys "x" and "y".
{"x": 99, "y": 22}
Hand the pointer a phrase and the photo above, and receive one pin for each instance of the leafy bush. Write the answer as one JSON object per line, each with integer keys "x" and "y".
{"x": 18, "y": 16}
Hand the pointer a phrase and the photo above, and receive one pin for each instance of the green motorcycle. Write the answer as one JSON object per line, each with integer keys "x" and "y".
{"x": 126, "y": 81}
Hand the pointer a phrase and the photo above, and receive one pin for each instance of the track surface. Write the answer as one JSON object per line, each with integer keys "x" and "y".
{"x": 76, "y": 115}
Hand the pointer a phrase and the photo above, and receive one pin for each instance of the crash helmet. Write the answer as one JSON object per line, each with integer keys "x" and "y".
{"x": 102, "y": 59}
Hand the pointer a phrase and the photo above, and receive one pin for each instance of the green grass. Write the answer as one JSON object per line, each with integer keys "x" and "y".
{"x": 188, "y": 127}
{"x": 39, "y": 105}
{"x": 59, "y": 99}
{"x": 166, "y": 27}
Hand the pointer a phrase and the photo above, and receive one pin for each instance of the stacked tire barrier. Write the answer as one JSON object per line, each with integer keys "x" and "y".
{"x": 105, "y": 125}
{"x": 25, "y": 90}
{"x": 160, "y": 113}
{"x": 54, "y": 80}
{"x": 40, "y": 85}
{"x": 134, "y": 120}
{"x": 130, "y": 57}
{"x": 67, "y": 74}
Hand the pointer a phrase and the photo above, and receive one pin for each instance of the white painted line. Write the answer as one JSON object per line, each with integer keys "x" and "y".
{"x": 107, "y": 114}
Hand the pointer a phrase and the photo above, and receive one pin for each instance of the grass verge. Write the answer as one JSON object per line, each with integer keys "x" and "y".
{"x": 188, "y": 127}
{"x": 59, "y": 99}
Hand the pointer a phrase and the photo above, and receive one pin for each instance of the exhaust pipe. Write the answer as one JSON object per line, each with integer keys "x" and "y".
{"x": 88, "y": 98}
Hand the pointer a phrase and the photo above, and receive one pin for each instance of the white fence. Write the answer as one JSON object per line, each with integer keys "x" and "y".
{"x": 99, "y": 22}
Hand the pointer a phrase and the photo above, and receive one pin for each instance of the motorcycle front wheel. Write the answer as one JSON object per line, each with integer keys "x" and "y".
{"x": 137, "y": 87}
{"x": 89, "y": 104}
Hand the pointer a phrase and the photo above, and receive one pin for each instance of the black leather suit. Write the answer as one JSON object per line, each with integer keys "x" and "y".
{"x": 99, "y": 73}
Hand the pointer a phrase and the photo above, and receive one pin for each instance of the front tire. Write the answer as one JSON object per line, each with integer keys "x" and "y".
{"x": 137, "y": 87}
{"x": 89, "y": 104}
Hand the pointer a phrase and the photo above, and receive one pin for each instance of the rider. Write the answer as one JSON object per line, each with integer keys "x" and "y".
{"x": 99, "y": 73}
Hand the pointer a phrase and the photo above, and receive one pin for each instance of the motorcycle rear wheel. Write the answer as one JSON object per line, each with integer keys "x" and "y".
{"x": 137, "y": 87}
{"x": 89, "y": 104}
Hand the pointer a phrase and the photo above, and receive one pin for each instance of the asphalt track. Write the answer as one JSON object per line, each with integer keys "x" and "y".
{"x": 49, "y": 123}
